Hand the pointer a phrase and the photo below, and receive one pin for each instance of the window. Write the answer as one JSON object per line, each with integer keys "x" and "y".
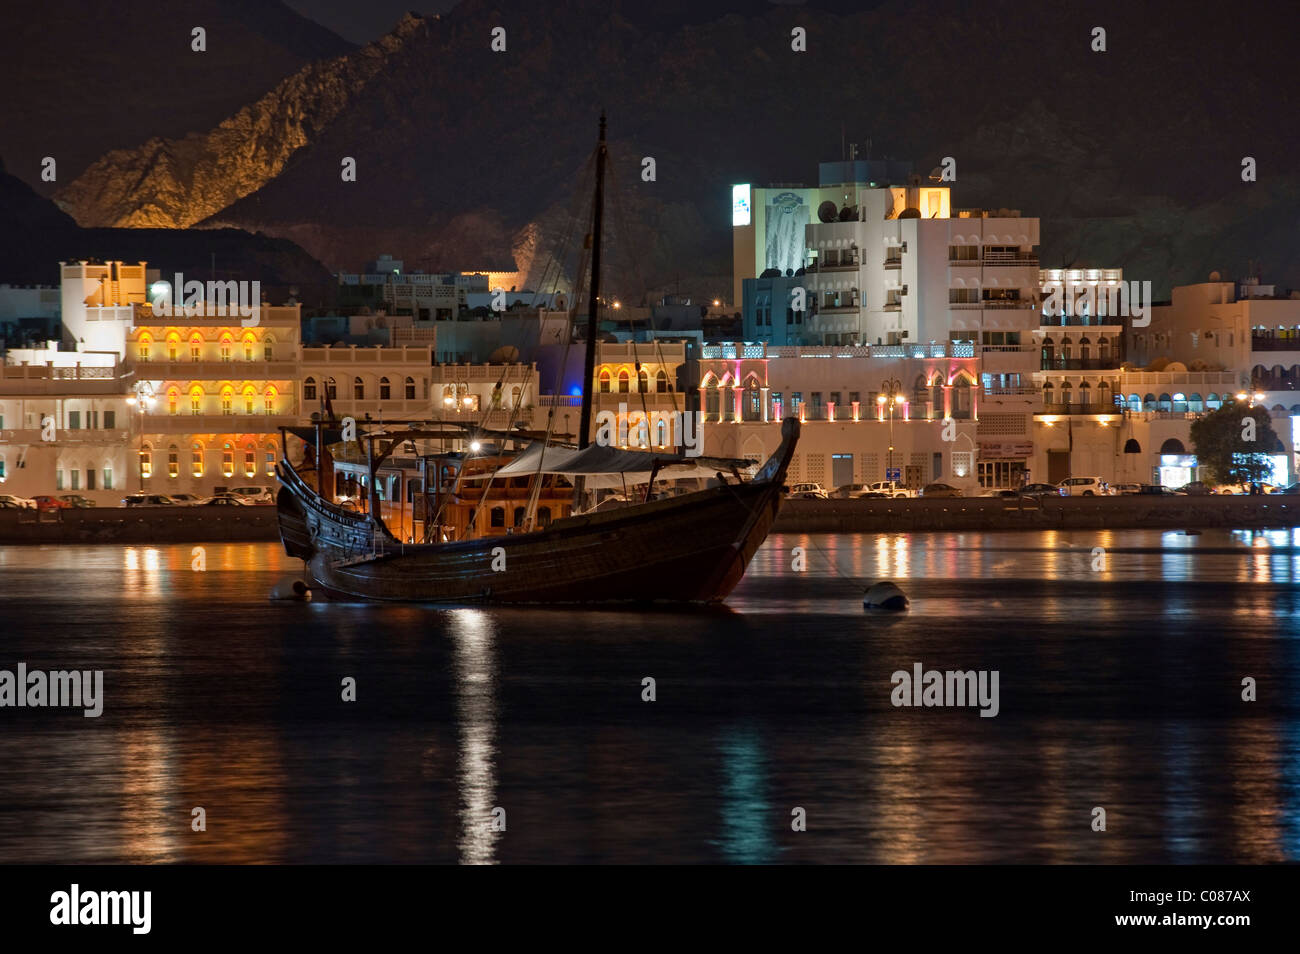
{"x": 410, "y": 389}
{"x": 267, "y": 352}
{"x": 269, "y": 400}
{"x": 227, "y": 402}
{"x": 358, "y": 389}
{"x": 385, "y": 389}
{"x": 58, "y": 479}
{"x": 249, "y": 399}
{"x": 498, "y": 516}
{"x": 173, "y": 345}
{"x": 227, "y": 460}
{"x": 225, "y": 348}
{"x": 642, "y": 381}
{"x": 270, "y": 461}
{"x": 519, "y": 516}
{"x": 196, "y": 460}
{"x": 309, "y": 389}
{"x": 172, "y": 398}
{"x": 249, "y": 343}
{"x": 604, "y": 381}
{"x": 196, "y": 348}
{"x": 196, "y": 401}
{"x": 331, "y": 389}
{"x": 661, "y": 381}
{"x": 145, "y": 342}
{"x": 624, "y": 382}
{"x": 146, "y": 462}
{"x": 173, "y": 462}
{"x": 108, "y": 476}
{"x": 2, "y": 468}
{"x": 76, "y": 478}
{"x": 74, "y": 420}
{"x": 110, "y": 420}
{"x": 90, "y": 478}
{"x": 250, "y": 462}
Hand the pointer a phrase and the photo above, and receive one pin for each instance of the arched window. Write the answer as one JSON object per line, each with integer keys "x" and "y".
{"x": 1085, "y": 349}
{"x": 227, "y": 400}
{"x": 143, "y": 345}
{"x": 227, "y": 460}
{"x": 250, "y": 460}
{"x": 227, "y": 342}
{"x": 270, "y": 459}
{"x": 250, "y": 398}
{"x": 173, "y": 346}
{"x": 410, "y": 389}
{"x": 1149, "y": 402}
{"x": 498, "y": 516}
{"x": 250, "y": 342}
{"x": 385, "y": 389}
{"x": 1103, "y": 350}
{"x": 1131, "y": 446}
{"x": 519, "y": 516}
{"x": 146, "y": 461}
{"x": 358, "y": 389}
{"x": 268, "y": 348}
{"x": 309, "y": 389}
{"x": 1104, "y": 397}
{"x": 331, "y": 389}
{"x": 516, "y": 394}
{"x": 196, "y": 347}
{"x": 196, "y": 399}
{"x": 604, "y": 380}
{"x": 624, "y": 381}
{"x": 661, "y": 381}
{"x": 643, "y": 381}
{"x": 173, "y": 461}
{"x": 661, "y": 433}
{"x": 196, "y": 459}
{"x": 108, "y": 475}
{"x": 1165, "y": 403}
{"x": 961, "y": 398}
{"x": 1067, "y": 395}
{"x": 543, "y": 516}
{"x": 269, "y": 400}
{"x": 173, "y": 396}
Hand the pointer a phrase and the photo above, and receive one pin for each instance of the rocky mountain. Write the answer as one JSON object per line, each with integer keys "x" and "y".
{"x": 467, "y": 157}
{"x": 35, "y": 236}
{"x": 82, "y": 77}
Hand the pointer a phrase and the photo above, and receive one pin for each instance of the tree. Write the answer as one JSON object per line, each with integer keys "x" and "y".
{"x": 1234, "y": 443}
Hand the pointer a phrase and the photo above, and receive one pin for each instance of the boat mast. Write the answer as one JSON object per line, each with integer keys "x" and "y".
{"x": 589, "y": 364}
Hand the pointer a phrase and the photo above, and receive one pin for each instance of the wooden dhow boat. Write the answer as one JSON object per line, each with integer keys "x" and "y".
{"x": 692, "y": 548}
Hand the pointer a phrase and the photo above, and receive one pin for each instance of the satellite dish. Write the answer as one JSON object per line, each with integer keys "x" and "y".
{"x": 1175, "y": 366}
{"x": 506, "y": 354}
{"x": 849, "y": 213}
{"x": 827, "y": 211}
{"x": 936, "y": 174}
{"x": 910, "y": 214}
{"x": 1215, "y": 277}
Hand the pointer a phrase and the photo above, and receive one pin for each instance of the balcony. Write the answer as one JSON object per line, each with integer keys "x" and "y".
{"x": 1004, "y": 258}
{"x": 893, "y": 263}
{"x": 217, "y": 423}
{"x": 1094, "y": 407}
{"x": 63, "y": 435}
{"x": 963, "y": 262}
{"x": 1079, "y": 364}
{"x": 216, "y": 370}
{"x": 1271, "y": 343}
{"x": 1085, "y": 321}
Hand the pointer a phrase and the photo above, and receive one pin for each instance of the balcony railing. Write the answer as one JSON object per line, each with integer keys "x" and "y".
{"x": 1270, "y": 343}
{"x": 1092, "y": 407}
{"x": 1082, "y": 321}
{"x": 893, "y": 263}
{"x": 1080, "y": 364}
{"x": 963, "y": 262}
{"x": 1004, "y": 258}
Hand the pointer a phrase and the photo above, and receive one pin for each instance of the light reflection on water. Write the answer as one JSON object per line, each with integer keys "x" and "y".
{"x": 1120, "y": 688}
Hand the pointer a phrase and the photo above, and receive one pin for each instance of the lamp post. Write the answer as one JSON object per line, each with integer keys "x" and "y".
{"x": 891, "y": 395}
{"x": 141, "y": 401}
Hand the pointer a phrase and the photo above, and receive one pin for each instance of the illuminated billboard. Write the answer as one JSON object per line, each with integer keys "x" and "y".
{"x": 740, "y": 207}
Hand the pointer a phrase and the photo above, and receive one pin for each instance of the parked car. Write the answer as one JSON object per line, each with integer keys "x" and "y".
{"x": 1157, "y": 490}
{"x": 1126, "y": 490}
{"x": 1083, "y": 487}
{"x": 1042, "y": 490}
{"x": 10, "y": 502}
{"x": 1244, "y": 489}
{"x": 186, "y": 500}
{"x": 1197, "y": 488}
{"x": 893, "y": 488}
{"x": 808, "y": 492}
{"x": 76, "y": 501}
{"x": 940, "y": 490}
{"x": 45, "y": 503}
{"x": 1000, "y": 492}
{"x": 873, "y": 495}
{"x": 226, "y": 500}
{"x": 148, "y": 500}
{"x": 255, "y": 495}
{"x": 850, "y": 491}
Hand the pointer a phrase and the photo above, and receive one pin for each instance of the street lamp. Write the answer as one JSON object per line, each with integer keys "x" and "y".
{"x": 891, "y": 395}
{"x": 141, "y": 401}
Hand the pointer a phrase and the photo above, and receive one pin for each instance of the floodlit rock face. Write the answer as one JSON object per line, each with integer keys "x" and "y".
{"x": 470, "y": 158}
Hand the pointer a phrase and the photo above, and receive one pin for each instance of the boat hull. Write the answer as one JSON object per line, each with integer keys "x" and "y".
{"x": 688, "y": 549}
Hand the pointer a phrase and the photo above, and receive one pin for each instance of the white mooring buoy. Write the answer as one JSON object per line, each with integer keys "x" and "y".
{"x": 884, "y": 596}
{"x": 290, "y": 588}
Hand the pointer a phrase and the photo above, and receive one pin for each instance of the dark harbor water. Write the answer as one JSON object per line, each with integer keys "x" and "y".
{"x": 1119, "y": 687}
